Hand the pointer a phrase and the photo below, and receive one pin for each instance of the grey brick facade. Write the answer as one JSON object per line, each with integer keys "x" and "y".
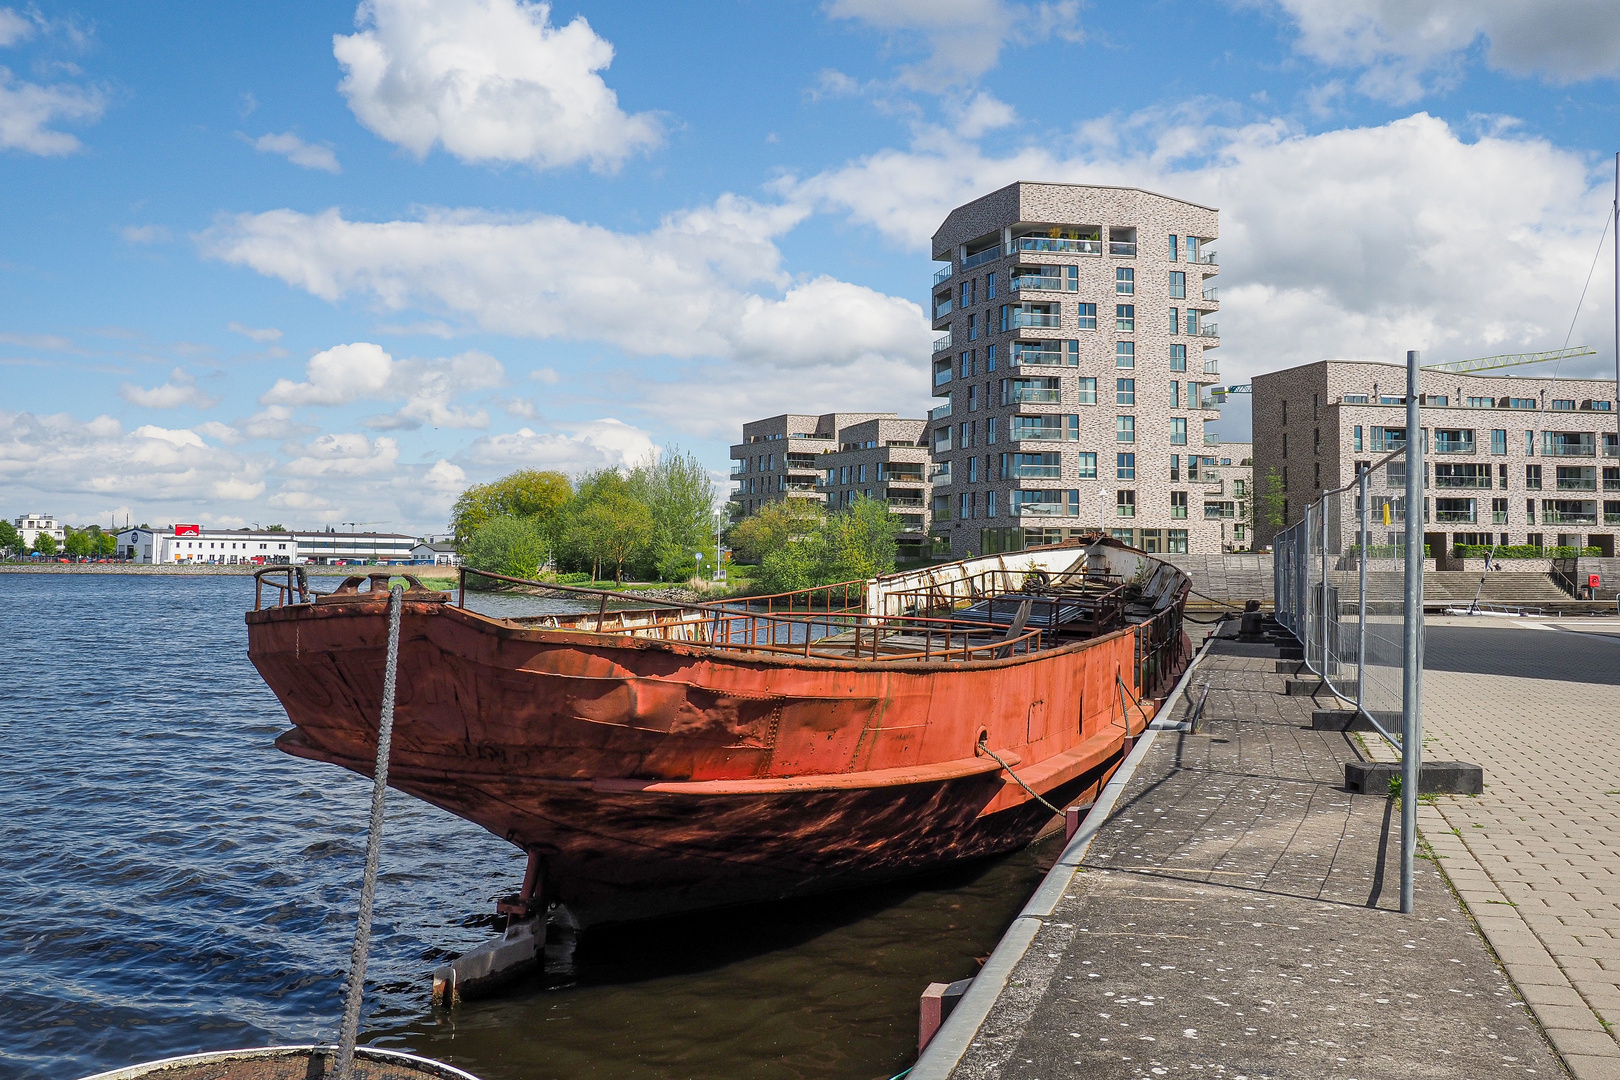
{"x": 884, "y": 459}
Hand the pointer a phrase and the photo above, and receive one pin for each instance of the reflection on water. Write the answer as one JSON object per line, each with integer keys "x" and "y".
{"x": 171, "y": 883}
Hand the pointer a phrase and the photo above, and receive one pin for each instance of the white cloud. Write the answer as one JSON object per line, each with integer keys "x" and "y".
{"x": 1400, "y": 43}
{"x": 181, "y": 391}
{"x": 263, "y": 335}
{"x": 686, "y": 288}
{"x": 984, "y": 112}
{"x": 490, "y": 81}
{"x": 571, "y": 448}
{"x": 345, "y": 374}
{"x": 14, "y": 27}
{"x": 144, "y": 234}
{"x": 963, "y": 38}
{"x": 297, "y": 151}
{"x": 344, "y": 455}
{"x": 1361, "y": 242}
{"x": 28, "y": 111}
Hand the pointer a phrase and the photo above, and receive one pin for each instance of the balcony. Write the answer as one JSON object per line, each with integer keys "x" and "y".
{"x": 1041, "y": 509}
{"x": 1454, "y": 517}
{"x": 912, "y": 503}
{"x": 1454, "y": 445}
{"x": 1208, "y": 330}
{"x": 1035, "y": 472}
{"x": 1042, "y": 283}
{"x": 1212, "y": 366}
{"x": 1123, "y": 248}
{"x": 1043, "y": 354}
{"x": 979, "y": 258}
{"x": 1462, "y": 481}
{"x": 1204, "y": 258}
{"x": 739, "y": 469}
{"x": 1019, "y": 395}
{"x": 942, "y": 375}
{"x": 941, "y": 309}
{"x": 1569, "y": 517}
{"x": 940, "y": 477}
{"x": 1569, "y": 444}
{"x": 942, "y": 343}
{"x": 1057, "y": 245}
{"x": 1023, "y": 318}
{"x": 942, "y": 411}
{"x": 1575, "y": 483}
{"x": 1384, "y": 443}
{"x": 1213, "y": 295}
{"x": 943, "y": 274}
{"x": 801, "y": 485}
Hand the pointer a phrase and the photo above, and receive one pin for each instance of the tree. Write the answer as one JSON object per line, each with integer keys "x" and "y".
{"x": 514, "y": 546}
{"x": 855, "y": 543}
{"x": 9, "y": 538}
{"x": 107, "y": 545}
{"x": 45, "y": 544}
{"x": 773, "y": 525}
{"x": 612, "y": 529}
{"x": 78, "y": 543}
{"x": 679, "y": 495}
{"x": 1271, "y": 500}
{"x": 528, "y": 493}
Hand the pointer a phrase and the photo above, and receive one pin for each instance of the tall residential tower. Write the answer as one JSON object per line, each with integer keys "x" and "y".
{"x": 1075, "y": 321}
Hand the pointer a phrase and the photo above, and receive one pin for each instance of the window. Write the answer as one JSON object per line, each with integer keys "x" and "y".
{"x": 962, "y": 435}
{"x": 966, "y": 292}
{"x": 1178, "y": 284}
{"x": 1482, "y": 403}
{"x": 1178, "y": 431}
{"x": 973, "y": 470}
{"x": 990, "y": 431}
{"x": 1175, "y": 394}
{"x": 962, "y": 506}
{"x": 1436, "y": 399}
{"x": 1175, "y": 321}
{"x": 1175, "y": 466}
{"x": 1125, "y": 429}
{"x": 1178, "y": 358}
{"x": 1318, "y": 483}
{"x": 1125, "y": 318}
{"x": 1088, "y": 391}
{"x": 990, "y": 286}
{"x": 1530, "y": 517}
{"x": 1355, "y": 439}
{"x": 973, "y": 327}
{"x": 1532, "y": 477}
{"x": 1498, "y": 441}
{"x": 973, "y": 398}
{"x": 1353, "y": 399}
{"x": 1088, "y": 316}
{"x": 1125, "y": 391}
{"x": 1499, "y": 511}
{"x": 1125, "y": 466}
{"x": 1125, "y": 281}
{"x": 1563, "y": 404}
{"x": 965, "y": 366}
{"x": 1240, "y": 488}
{"x": 1173, "y": 246}
{"x": 1529, "y": 444}
{"x": 861, "y": 479}
{"x": 1177, "y": 542}
{"x": 1521, "y": 403}
{"x": 1125, "y": 354}
{"x": 1178, "y": 504}
{"x": 1125, "y": 503}
{"x": 1088, "y": 466}
{"x": 942, "y": 439}
{"x": 989, "y": 358}
{"x": 989, "y": 504}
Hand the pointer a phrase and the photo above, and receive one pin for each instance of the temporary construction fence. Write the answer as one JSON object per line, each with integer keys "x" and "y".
{"x": 1349, "y": 586}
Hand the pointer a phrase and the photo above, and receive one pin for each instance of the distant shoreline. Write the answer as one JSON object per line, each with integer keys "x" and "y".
{"x": 211, "y": 570}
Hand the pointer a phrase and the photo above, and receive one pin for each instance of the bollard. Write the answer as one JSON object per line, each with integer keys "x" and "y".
{"x": 937, "y": 1003}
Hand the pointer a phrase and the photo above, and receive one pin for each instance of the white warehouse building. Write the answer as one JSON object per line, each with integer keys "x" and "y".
{"x": 200, "y": 545}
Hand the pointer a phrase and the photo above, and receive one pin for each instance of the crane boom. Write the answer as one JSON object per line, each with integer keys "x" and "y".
{"x": 1490, "y": 363}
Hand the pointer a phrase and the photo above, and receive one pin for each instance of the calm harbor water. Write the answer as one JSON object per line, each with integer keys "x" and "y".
{"x": 170, "y": 882}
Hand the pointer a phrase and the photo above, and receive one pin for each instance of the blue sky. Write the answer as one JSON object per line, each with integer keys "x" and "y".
{"x": 319, "y": 263}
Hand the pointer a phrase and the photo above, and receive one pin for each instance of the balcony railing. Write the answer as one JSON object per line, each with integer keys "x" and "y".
{"x": 1212, "y": 366}
{"x": 1212, "y": 294}
{"x": 1125, "y": 248}
{"x": 1041, "y": 509}
{"x": 1219, "y": 510}
{"x": 801, "y": 485}
{"x": 1022, "y": 394}
{"x": 1383, "y": 442}
{"x": 739, "y": 469}
{"x": 1454, "y": 517}
{"x": 1036, "y": 319}
{"x": 1057, "y": 245}
{"x": 1035, "y": 472}
{"x": 1048, "y": 354}
{"x": 942, "y": 309}
{"x": 917, "y": 503}
{"x": 1564, "y": 517}
{"x": 942, "y": 274}
{"x": 1043, "y": 433}
{"x": 1453, "y": 446}
{"x": 1567, "y": 447}
{"x": 1205, "y": 258}
{"x": 1041, "y": 283}
{"x": 940, "y": 477}
{"x": 941, "y": 412}
{"x": 942, "y": 376}
{"x": 1462, "y": 481}
{"x": 979, "y": 258}
{"x": 1575, "y": 483}
{"x": 942, "y": 343}
{"x": 1208, "y": 330}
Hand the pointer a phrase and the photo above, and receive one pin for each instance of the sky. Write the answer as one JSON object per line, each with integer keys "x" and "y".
{"x": 324, "y": 263}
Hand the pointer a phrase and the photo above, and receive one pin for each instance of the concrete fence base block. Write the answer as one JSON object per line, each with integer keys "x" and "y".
{"x": 1339, "y": 720}
{"x": 1312, "y": 685}
{"x": 491, "y": 965}
{"x": 1291, "y": 652}
{"x": 1436, "y": 778}
{"x": 937, "y": 1003}
{"x": 1292, "y": 667}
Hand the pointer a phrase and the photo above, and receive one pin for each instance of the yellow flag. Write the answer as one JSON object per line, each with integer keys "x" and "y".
{"x": 1386, "y": 513}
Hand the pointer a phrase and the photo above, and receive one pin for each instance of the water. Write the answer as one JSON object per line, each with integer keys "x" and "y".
{"x": 169, "y": 882}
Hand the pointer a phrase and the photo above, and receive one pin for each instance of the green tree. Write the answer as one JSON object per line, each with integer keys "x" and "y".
{"x": 1271, "y": 500}
{"x": 774, "y": 525}
{"x": 514, "y": 546}
{"x": 529, "y": 493}
{"x": 78, "y": 544}
{"x": 9, "y": 538}
{"x": 45, "y": 544}
{"x": 107, "y": 545}
{"x": 677, "y": 492}
{"x": 855, "y": 543}
{"x": 612, "y": 529}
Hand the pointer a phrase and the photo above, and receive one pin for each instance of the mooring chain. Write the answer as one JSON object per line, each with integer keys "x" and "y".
{"x": 982, "y": 748}
{"x": 349, "y": 1033}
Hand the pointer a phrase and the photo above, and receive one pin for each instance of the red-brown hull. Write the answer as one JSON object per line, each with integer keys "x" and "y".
{"x": 657, "y": 777}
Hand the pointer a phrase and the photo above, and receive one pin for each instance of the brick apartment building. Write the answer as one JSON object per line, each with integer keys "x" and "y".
{"x": 886, "y": 458}
{"x": 1507, "y": 459}
{"x": 1073, "y": 363}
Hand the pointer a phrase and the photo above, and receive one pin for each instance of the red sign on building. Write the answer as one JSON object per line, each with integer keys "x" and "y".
{"x": 188, "y": 530}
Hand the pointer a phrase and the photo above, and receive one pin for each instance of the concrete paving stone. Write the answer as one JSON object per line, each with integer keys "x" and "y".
{"x": 1578, "y": 1017}
{"x": 1590, "y": 1067}
{"x": 1526, "y": 975}
{"x": 1592, "y": 1043}
{"x": 1537, "y": 994}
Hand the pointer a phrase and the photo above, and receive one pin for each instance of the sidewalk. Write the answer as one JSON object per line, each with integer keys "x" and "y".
{"x": 1235, "y": 918}
{"x": 1537, "y": 856}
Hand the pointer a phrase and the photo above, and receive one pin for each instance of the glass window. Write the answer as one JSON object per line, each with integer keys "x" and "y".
{"x": 1088, "y": 316}
{"x": 1125, "y": 281}
{"x": 1125, "y": 502}
{"x": 1088, "y": 391}
{"x": 989, "y": 358}
{"x": 1125, "y": 354}
{"x": 973, "y": 327}
{"x": 1125, "y": 391}
{"x": 1175, "y": 466}
{"x": 1125, "y": 429}
{"x": 1178, "y": 360}
{"x": 1124, "y": 318}
{"x": 1088, "y": 466}
{"x": 1178, "y": 284}
{"x": 1178, "y": 431}
{"x": 1174, "y": 244}
{"x": 1175, "y": 321}
{"x": 990, "y": 504}
{"x": 990, "y": 286}
{"x": 1177, "y": 543}
{"x": 990, "y": 431}
{"x": 1529, "y": 444}
{"x": 1355, "y": 439}
{"x": 1125, "y": 466}
{"x": 1175, "y": 394}
{"x": 1498, "y": 441}
{"x": 1532, "y": 477}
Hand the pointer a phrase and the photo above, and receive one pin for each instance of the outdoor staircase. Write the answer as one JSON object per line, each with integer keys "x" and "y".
{"x": 1457, "y": 588}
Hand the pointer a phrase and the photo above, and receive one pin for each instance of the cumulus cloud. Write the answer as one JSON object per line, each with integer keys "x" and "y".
{"x": 705, "y": 282}
{"x": 345, "y": 374}
{"x": 344, "y": 455}
{"x": 570, "y": 448}
{"x": 1403, "y": 43}
{"x": 29, "y": 111}
{"x": 490, "y": 81}
{"x": 963, "y": 38}
{"x": 14, "y": 27}
{"x": 296, "y": 150}
{"x": 1361, "y": 242}
{"x": 181, "y": 391}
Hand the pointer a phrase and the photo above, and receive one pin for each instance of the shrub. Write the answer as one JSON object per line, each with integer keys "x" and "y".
{"x": 514, "y": 546}
{"x": 1521, "y": 551}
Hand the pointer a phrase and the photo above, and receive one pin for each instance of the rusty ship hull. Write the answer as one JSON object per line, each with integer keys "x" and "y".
{"x": 660, "y": 763}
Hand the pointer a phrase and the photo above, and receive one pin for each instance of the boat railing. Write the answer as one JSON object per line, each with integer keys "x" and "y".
{"x": 1093, "y": 602}
{"x": 297, "y": 584}
{"x": 805, "y": 623}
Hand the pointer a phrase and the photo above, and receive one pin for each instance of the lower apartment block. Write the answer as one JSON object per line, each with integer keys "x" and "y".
{"x": 884, "y": 459}
{"x": 1507, "y": 459}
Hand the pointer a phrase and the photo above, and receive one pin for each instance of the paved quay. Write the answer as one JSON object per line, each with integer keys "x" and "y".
{"x": 1537, "y": 857}
{"x": 1236, "y": 917}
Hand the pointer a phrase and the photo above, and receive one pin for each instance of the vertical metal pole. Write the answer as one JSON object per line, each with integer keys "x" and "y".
{"x": 1616, "y": 314}
{"x": 1412, "y": 635}
{"x": 1361, "y": 592}
{"x": 1322, "y": 603}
